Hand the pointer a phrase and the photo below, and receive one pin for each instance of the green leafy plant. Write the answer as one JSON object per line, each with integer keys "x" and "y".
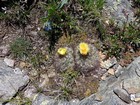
{"x": 123, "y": 39}
{"x": 2, "y": 16}
{"x": 36, "y": 59}
{"x": 69, "y": 76}
{"x": 15, "y": 13}
{"x": 93, "y": 4}
{"x": 66, "y": 92}
{"x": 57, "y": 23}
{"x": 20, "y": 48}
{"x": 131, "y": 35}
{"x": 136, "y": 3}
{"x": 92, "y": 9}
{"x": 113, "y": 46}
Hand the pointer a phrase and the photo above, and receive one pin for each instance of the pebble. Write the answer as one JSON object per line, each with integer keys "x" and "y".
{"x": 117, "y": 67}
{"x": 107, "y": 22}
{"x": 132, "y": 97}
{"x": 30, "y": 92}
{"x": 98, "y": 97}
{"x": 74, "y": 101}
{"x": 102, "y": 56}
{"x": 9, "y": 62}
{"x": 111, "y": 71}
{"x": 108, "y": 63}
{"x": 33, "y": 33}
{"x": 118, "y": 70}
{"x": 137, "y": 100}
{"x": 33, "y": 72}
{"x": 51, "y": 74}
{"x": 104, "y": 76}
{"x": 4, "y": 49}
{"x": 18, "y": 71}
{"x": 45, "y": 80}
{"x": 34, "y": 47}
{"x": 22, "y": 64}
{"x": 137, "y": 97}
{"x": 38, "y": 28}
{"x": 46, "y": 57}
{"x": 29, "y": 27}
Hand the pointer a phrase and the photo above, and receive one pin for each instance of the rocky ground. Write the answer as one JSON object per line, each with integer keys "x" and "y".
{"x": 72, "y": 79}
{"x": 121, "y": 87}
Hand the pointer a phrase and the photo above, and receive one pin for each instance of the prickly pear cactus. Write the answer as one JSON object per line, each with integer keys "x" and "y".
{"x": 62, "y": 63}
{"x": 87, "y": 62}
{"x": 76, "y": 61}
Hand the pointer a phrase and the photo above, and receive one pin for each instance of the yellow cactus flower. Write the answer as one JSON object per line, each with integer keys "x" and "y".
{"x": 62, "y": 51}
{"x": 83, "y": 48}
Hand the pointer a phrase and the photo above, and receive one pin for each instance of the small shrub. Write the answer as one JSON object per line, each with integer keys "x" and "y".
{"x": 123, "y": 39}
{"x": 20, "y": 48}
{"x": 92, "y": 9}
{"x": 18, "y": 16}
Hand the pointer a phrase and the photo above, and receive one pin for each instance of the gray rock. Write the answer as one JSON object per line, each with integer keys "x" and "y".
{"x": 7, "y": 104}
{"x": 110, "y": 91}
{"x": 89, "y": 101}
{"x": 63, "y": 103}
{"x": 137, "y": 64}
{"x": 130, "y": 79}
{"x": 122, "y": 94}
{"x": 118, "y": 70}
{"x": 120, "y": 11}
{"x": 41, "y": 99}
{"x": 9, "y": 62}
{"x": 10, "y": 82}
{"x": 132, "y": 85}
{"x": 112, "y": 99}
{"x": 74, "y": 102}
